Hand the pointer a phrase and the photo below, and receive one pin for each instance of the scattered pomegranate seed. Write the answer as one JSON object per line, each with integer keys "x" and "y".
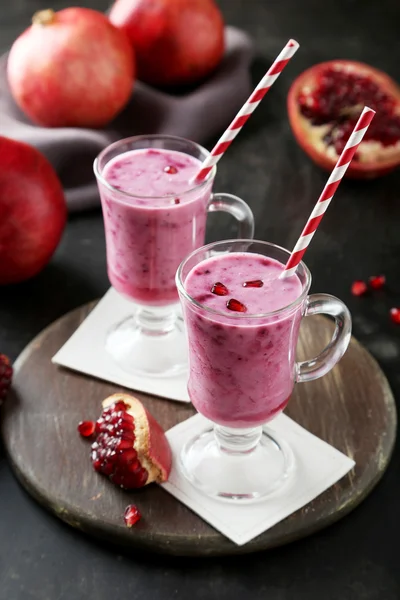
{"x": 377, "y": 282}
{"x": 236, "y": 305}
{"x": 177, "y": 201}
{"x": 131, "y": 515}
{"x": 171, "y": 170}
{"x": 395, "y": 315}
{"x": 257, "y": 283}
{"x": 86, "y": 428}
{"x": 219, "y": 289}
{"x": 358, "y": 288}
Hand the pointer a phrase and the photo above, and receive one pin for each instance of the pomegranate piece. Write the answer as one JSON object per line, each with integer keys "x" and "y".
{"x": 177, "y": 201}
{"x": 257, "y": 283}
{"x": 132, "y": 515}
{"x": 395, "y": 315}
{"x": 131, "y": 448}
{"x": 86, "y": 428}
{"x": 6, "y": 373}
{"x": 324, "y": 104}
{"x": 236, "y": 305}
{"x": 377, "y": 282}
{"x": 170, "y": 170}
{"x": 73, "y": 83}
{"x": 219, "y": 289}
{"x": 359, "y": 288}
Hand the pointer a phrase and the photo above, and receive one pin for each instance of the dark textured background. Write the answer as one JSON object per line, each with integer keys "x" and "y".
{"x": 356, "y": 559}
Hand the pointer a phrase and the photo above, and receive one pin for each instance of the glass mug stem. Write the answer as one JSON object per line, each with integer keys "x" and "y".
{"x": 325, "y": 361}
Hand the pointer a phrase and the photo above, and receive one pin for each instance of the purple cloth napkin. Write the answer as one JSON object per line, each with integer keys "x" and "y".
{"x": 198, "y": 115}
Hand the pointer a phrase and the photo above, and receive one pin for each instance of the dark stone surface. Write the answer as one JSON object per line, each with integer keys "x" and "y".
{"x": 40, "y": 558}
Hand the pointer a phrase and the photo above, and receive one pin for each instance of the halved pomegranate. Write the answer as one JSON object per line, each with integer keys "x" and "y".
{"x": 324, "y": 103}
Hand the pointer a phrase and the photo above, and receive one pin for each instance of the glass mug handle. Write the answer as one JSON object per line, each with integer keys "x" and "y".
{"x": 236, "y": 207}
{"x": 325, "y": 361}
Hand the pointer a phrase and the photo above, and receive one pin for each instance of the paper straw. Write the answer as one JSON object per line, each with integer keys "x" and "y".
{"x": 328, "y": 192}
{"x": 247, "y": 109}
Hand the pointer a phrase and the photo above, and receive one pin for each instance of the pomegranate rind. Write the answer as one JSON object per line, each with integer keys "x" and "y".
{"x": 302, "y": 130}
{"x": 151, "y": 444}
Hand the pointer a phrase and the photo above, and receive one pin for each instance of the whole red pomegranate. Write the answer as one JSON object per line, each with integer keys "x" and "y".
{"x": 176, "y": 41}
{"x": 71, "y": 68}
{"x": 32, "y": 211}
{"x": 324, "y": 104}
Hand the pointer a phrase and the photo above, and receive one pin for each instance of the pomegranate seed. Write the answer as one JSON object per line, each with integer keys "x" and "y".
{"x": 86, "y": 428}
{"x": 257, "y": 283}
{"x": 236, "y": 305}
{"x": 171, "y": 170}
{"x": 129, "y": 456}
{"x": 177, "y": 201}
{"x": 219, "y": 289}
{"x": 395, "y": 315}
{"x": 131, "y": 515}
{"x": 134, "y": 466}
{"x": 97, "y": 464}
{"x": 377, "y": 282}
{"x": 100, "y": 426}
{"x": 123, "y": 445}
{"x": 358, "y": 288}
{"x": 107, "y": 468}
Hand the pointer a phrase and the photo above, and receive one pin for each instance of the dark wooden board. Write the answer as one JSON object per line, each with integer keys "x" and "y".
{"x": 352, "y": 408}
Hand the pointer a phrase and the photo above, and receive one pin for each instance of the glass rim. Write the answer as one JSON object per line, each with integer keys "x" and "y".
{"x": 287, "y": 307}
{"x": 210, "y": 177}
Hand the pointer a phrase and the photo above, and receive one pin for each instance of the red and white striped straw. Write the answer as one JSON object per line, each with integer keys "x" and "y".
{"x": 328, "y": 192}
{"x": 247, "y": 109}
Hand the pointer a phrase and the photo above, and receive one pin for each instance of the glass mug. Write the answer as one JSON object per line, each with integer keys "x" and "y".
{"x": 242, "y": 370}
{"x": 146, "y": 239}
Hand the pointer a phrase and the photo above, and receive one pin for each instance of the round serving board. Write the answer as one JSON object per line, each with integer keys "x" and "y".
{"x": 351, "y": 408}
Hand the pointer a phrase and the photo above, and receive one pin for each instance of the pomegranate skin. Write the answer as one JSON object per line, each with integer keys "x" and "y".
{"x": 378, "y": 165}
{"x": 177, "y": 42}
{"x": 71, "y": 68}
{"x": 32, "y": 211}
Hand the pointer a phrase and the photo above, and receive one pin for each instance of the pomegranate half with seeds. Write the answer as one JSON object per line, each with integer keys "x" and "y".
{"x": 131, "y": 447}
{"x": 324, "y": 104}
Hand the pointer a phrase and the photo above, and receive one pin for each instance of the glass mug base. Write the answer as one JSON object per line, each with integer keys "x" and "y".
{"x": 149, "y": 343}
{"x": 237, "y": 465}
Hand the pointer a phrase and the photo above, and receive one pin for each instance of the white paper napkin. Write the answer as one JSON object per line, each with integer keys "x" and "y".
{"x": 317, "y": 467}
{"x": 85, "y": 352}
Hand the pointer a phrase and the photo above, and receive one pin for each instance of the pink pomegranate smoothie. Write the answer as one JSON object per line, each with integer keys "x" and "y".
{"x": 153, "y": 225}
{"x": 241, "y": 368}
